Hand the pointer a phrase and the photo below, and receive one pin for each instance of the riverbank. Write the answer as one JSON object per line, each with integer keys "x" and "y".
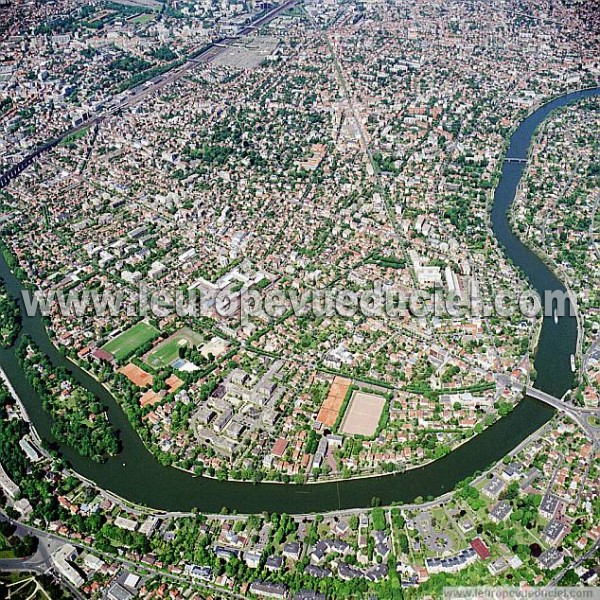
{"x": 140, "y": 510}
{"x": 135, "y": 474}
{"x": 307, "y": 480}
{"x": 560, "y": 274}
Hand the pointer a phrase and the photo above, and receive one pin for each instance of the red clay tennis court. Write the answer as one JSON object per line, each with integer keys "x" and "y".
{"x": 330, "y": 408}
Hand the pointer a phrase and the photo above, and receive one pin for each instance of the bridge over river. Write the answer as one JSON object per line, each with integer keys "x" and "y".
{"x": 579, "y": 414}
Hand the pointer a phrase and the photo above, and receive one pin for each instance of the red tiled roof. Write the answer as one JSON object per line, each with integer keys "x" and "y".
{"x": 279, "y": 447}
{"x": 481, "y": 549}
{"x": 102, "y": 355}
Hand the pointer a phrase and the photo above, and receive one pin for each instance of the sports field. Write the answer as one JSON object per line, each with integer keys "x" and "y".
{"x": 362, "y": 414}
{"x": 168, "y": 351}
{"x": 335, "y": 398}
{"x": 129, "y": 341}
{"x": 137, "y": 375}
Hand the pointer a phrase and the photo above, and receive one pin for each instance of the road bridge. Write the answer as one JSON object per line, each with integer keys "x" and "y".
{"x": 579, "y": 414}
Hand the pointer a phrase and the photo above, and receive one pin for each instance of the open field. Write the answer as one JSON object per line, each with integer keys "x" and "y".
{"x": 362, "y": 415}
{"x": 129, "y": 341}
{"x": 143, "y": 18}
{"x": 168, "y": 350}
{"x": 335, "y": 398}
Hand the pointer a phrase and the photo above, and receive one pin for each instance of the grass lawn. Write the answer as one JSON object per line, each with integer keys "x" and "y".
{"x": 74, "y": 136}
{"x": 6, "y": 551}
{"x": 168, "y": 351}
{"x": 144, "y": 18}
{"x": 166, "y": 354}
{"x": 129, "y": 341}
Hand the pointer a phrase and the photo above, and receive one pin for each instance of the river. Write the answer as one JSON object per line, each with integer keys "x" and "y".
{"x": 137, "y": 476}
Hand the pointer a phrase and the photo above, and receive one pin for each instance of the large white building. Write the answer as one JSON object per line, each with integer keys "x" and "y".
{"x": 61, "y": 560}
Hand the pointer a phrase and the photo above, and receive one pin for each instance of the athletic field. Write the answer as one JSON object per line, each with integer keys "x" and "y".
{"x": 362, "y": 414}
{"x": 129, "y": 341}
{"x": 168, "y": 351}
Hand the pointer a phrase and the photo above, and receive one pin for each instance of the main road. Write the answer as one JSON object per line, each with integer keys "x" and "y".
{"x": 48, "y": 543}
